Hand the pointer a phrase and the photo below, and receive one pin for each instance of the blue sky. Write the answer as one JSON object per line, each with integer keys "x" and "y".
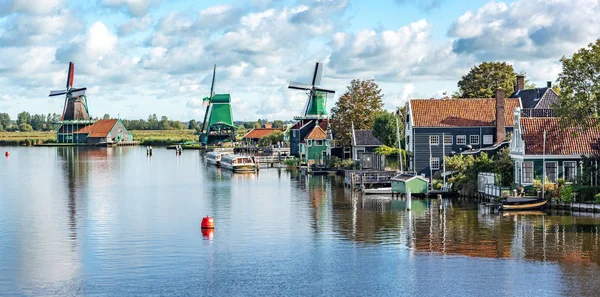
{"x": 139, "y": 57}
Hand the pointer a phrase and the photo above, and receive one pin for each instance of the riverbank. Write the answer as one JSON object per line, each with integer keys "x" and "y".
{"x": 143, "y": 137}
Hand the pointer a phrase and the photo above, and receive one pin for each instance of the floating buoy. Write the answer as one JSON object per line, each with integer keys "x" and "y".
{"x": 208, "y": 223}
{"x": 7, "y": 154}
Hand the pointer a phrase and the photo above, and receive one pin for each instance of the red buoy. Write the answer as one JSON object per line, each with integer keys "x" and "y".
{"x": 7, "y": 154}
{"x": 208, "y": 223}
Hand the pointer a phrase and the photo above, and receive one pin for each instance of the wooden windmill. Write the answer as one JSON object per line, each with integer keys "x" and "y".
{"x": 315, "y": 106}
{"x": 217, "y": 126}
{"x": 76, "y": 107}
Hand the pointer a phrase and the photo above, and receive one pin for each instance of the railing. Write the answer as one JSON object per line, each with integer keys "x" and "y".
{"x": 537, "y": 112}
{"x": 271, "y": 159}
{"x": 368, "y": 177}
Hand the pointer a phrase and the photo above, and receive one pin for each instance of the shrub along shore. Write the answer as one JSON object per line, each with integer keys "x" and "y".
{"x": 145, "y": 137}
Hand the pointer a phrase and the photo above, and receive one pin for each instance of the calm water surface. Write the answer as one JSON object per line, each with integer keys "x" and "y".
{"x": 76, "y": 221}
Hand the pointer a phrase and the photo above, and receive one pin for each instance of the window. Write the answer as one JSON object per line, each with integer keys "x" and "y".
{"x": 552, "y": 171}
{"x": 293, "y": 133}
{"x": 461, "y": 139}
{"x": 488, "y": 139}
{"x": 570, "y": 170}
{"x": 319, "y": 142}
{"x": 309, "y": 142}
{"x": 448, "y": 139}
{"x": 528, "y": 172}
{"x": 435, "y": 163}
{"x": 434, "y": 139}
{"x": 474, "y": 139}
{"x": 518, "y": 173}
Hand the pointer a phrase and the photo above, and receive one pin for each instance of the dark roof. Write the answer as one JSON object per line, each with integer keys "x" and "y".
{"x": 570, "y": 141}
{"x": 366, "y": 138}
{"x": 472, "y": 112}
{"x": 536, "y": 98}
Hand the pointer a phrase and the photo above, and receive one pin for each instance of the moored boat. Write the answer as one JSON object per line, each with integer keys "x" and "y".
{"x": 514, "y": 204}
{"x": 238, "y": 163}
{"x": 214, "y": 158}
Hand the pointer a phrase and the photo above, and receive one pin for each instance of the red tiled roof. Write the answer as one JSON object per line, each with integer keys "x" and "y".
{"x": 100, "y": 128}
{"x": 570, "y": 141}
{"x": 259, "y": 133}
{"x": 460, "y": 112}
{"x": 316, "y": 133}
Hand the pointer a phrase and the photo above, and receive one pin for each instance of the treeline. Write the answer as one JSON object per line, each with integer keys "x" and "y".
{"x": 153, "y": 123}
{"x": 27, "y": 122}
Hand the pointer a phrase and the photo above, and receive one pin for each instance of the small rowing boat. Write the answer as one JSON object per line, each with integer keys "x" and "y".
{"x": 516, "y": 203}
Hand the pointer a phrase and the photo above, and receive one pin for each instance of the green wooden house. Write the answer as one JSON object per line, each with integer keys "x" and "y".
{"x": 314, "y": 150}
{"x": 417, "y": 184}
{"x": 559, "y": 154}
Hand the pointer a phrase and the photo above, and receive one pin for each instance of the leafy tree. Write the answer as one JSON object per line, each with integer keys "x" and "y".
{"x": 384, "y": 128}
{"x": 25, "y": 127}
{"x": 4, "y": 121}
{"x": 272, "y": 138}
{"x": 579, "y": 100}
{"x": 504, "y": 167}
{"x": 278, "y": 124}
{"x": 483, "y": 80}
{"x": 106, "y": 116}
{"x": 23, "y": 118}
{"x": 248, "y": 125}
{"x": 361, "y": 103}
{"x": 192, "y": 125}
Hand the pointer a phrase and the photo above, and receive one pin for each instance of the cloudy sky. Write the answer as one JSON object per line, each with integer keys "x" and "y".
{"x": 138, "y": 57}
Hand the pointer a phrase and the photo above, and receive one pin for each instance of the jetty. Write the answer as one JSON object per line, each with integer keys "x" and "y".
{"x": 356, "y": 179}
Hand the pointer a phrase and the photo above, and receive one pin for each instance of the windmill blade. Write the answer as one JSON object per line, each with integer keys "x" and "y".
{"x": 324, "y": 90}
{"x": 70, "y": 75}
{"x": 78, "y": 92}
{"x": 299, "y": 86}
{"x": 56, "y": 93}
{"x": 318, "y": 74}
{"x": 212, "y": 86}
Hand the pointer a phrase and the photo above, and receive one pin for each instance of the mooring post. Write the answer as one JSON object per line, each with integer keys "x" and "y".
{"x": 440, "y": 202}
{"x": 408, "y": 200}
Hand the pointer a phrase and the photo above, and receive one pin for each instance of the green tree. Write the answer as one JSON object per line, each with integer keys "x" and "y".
{"x": 384, "y": 128}
{"x": 4, "y": 121}
{"x": 164, "y": 123}
{"x": 504, "y": 167}
{"x": 25, "y": 127}
{"x": 272, "y": 138}
{"x": 192, "y": 125}
{"x": 579, "y": 99}
{"x": 483, "y": 80}
{"x": 359, "y": 106}
{"x": 106, "y": 116}
{"x": 23, "y": 118}
{"x": 278, "y": 124}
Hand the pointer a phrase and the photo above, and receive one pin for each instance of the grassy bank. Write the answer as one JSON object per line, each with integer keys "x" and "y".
{"x": 145, "y": 137}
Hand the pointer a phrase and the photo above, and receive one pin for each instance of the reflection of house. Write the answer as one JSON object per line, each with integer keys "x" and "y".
{"x": 363, "y": 141}
{"x": 314, "y": 148}
{"x": 256, "y": 135}
{"x": 103, "y": 131}
{"x": 563, "y": 148}
{"x": 440, "y": 127}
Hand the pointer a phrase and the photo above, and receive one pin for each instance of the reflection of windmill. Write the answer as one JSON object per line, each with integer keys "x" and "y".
{"x": 75, "y": 100}
{"x": 317, "y": 97}
{"x": 218, "y": 119}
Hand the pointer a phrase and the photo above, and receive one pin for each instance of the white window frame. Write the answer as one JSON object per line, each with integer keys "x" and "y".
{"x": 524, "y": 178}
{"x": 449, "y": 138}
{"x": 464, "y": 139}
{"x": 434, "y": 137}
{"x": 471, "y": 142}
{"x": 565, "y": 171}
{"x": 433, "y": 161}
{"x": 309, "y": 142}
{"x": 488, "y": 139}
{"x": 555, "y": 174}
{"x": 518, "y": 173}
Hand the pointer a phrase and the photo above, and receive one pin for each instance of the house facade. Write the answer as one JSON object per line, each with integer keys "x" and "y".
{"x": 363, "y": 142}
{"x": 301, "y": 129}
{"x": 103, "y": 132}
{"x": 315, "y": 147}
{"x": 443, "y": 127}
{"x": 558, "y": 155}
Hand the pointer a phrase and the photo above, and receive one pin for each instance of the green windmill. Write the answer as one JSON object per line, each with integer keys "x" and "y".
{"x": 217, "y": 126}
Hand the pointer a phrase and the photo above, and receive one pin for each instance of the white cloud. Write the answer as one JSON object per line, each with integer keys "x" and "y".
{"x": 135, "y": 24}
{"x": 38, "y": 7}
{"x": 134, "y": 7}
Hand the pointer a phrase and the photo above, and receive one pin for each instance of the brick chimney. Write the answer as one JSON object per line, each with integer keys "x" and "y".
{"x": 500, "y": 129}
{"x": 520, "y": 82}
{"x": 549, "y": 84}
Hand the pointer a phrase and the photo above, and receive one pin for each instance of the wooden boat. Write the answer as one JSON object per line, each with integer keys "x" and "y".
{"x": 378, "y": 191}
{"x": 238, "y": 163}
{"x": 214, "y": 158}
{"x": 513, "y": 204}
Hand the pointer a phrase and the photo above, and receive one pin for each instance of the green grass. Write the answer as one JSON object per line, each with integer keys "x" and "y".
{"x": 27, "y": 138}
{"x": 145, "y": 137}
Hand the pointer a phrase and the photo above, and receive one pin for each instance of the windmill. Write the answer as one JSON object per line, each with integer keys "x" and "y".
{"x": 76, "y": 107}
{"x": 217, "y": 126}
{"x": 317, "y": 96}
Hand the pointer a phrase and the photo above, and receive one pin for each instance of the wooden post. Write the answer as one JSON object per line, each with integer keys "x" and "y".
{"x": 408, "y": 200}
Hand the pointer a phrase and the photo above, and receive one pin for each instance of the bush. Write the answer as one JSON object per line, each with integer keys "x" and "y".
{"x": 565, "y": 194}
{"x": 597, "y": 198}
{"x": 586, "y": 193}
{"x": 292, "y": 162}
{"x": 345, "y": 164}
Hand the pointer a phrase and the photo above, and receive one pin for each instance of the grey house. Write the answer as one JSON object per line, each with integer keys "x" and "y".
{"x": 536, "y": 102}
{"x": 441, "y": 127}
{"x": 363, "y": 141}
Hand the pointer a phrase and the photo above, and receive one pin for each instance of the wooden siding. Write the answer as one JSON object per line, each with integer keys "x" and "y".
{"x": 420, "y": 139}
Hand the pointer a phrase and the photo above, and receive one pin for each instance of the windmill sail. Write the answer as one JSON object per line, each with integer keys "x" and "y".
{"x": 317, "y": 97}
{"x": 75, "y": 107}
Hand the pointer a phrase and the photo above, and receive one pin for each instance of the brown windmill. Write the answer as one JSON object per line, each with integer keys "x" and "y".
{"x": 76, "y": 107}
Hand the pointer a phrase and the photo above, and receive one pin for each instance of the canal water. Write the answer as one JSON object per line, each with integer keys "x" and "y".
{"x": 112, "y": 221}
